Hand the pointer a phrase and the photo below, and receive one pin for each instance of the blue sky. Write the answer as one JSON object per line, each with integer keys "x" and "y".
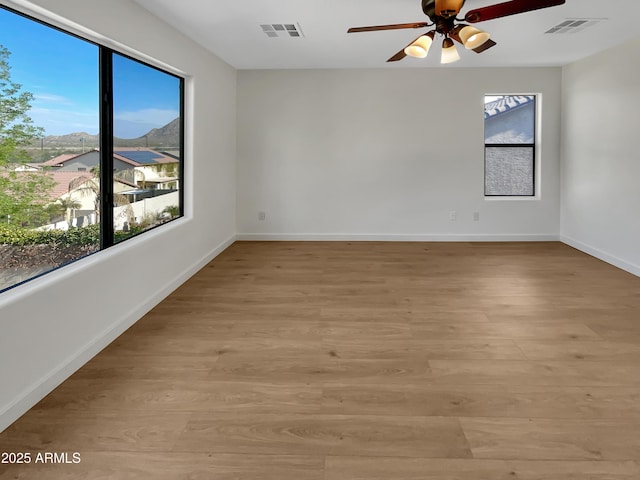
{"x": 61, "y": 71}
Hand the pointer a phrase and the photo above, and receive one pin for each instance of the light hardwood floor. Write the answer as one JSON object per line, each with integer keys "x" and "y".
{"x": 354, "y": 361}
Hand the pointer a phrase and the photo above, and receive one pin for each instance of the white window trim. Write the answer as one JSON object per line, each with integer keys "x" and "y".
{"x": 537, "y": 196}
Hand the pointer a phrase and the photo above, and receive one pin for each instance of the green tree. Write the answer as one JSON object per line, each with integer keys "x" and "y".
{"x": 66, "y": 206}
{"x": 23, "y": 195}
{"x": 90, "y": 188}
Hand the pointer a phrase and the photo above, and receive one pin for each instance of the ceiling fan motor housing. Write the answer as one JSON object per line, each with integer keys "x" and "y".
{"x": 448, "y": 9}
{"x": 443, "y": 24}
{"x": 429, "y": 8}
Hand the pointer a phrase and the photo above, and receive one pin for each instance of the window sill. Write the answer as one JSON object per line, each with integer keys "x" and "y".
{"x": 535, "y": 198}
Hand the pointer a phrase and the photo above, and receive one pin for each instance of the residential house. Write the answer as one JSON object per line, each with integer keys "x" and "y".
{"x": 141, "y": 173}
{"x": 151, "y": 167}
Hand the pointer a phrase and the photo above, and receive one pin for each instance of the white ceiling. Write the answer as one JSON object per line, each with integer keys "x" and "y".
{"x": 231, "y": 30}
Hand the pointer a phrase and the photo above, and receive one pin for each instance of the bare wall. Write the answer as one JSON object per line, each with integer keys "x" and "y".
{"x": 52, "y": 325}
{"x": 600, "y": 210}
{"x": 384, "y": 154}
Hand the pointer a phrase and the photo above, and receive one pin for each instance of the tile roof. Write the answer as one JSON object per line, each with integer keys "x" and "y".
{"x": 62, "y": 180}
{"x": 505, "y": 104}
{"x": 59, "y": 159}
{"x": 129, "y": 155}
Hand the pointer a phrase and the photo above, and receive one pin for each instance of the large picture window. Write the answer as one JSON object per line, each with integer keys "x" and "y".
{"x": 509, "y": 137}
{"x": 91, "y": 147}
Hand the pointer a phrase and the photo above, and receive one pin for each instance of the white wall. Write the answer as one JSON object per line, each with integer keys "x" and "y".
{"x": 52, "y": 325}
{"x": 384, "y": 154}
{"x": 601, "y": 159}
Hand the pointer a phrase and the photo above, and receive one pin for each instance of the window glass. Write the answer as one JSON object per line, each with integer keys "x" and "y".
{"x": 509, "y": 171}
{"x": 56, "y": 138}
{"x": 147, "y": 153}
{"x": 49, "y": 128}
{"x": 509, "y": 122}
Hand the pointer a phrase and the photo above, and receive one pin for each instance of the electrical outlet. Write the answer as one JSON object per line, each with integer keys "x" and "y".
{"x": 262, "y": 216}
{"x": 476, "y": 216}
{"x": 453, "y": 215}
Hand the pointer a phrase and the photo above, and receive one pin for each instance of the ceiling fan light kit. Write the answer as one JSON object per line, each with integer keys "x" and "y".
{"x": 449, "y": 52}
{"x": 420, "y": 47}
{"x": 443, "y": 14}
{"x": 472, "y": 37}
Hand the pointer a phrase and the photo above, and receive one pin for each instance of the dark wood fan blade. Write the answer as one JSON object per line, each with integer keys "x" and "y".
{"x": 396, "y": 26}
{"x": 455, "y": 34}
{"x": 508, "y": 8}
{"x": 485, "y": 46}
{"x": 398, "y": 56}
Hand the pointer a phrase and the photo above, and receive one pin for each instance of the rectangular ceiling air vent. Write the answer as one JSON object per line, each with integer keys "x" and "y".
{"x": 275, "y": 30}
{"x": 574, "y": 25}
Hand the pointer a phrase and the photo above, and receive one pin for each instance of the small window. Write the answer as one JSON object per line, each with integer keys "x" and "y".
{"x": 509, "y": 141}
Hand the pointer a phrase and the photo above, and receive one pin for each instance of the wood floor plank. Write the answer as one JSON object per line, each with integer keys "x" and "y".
{"x": 623, "y": 325}
{"x": 569, "y": 373}
{"x": 363, "y": 468}
{"x": 171, "y": 466}
{"x": 581, "y": 350}
{"x": 355, "y": 313}
{"x": 316, "y": 367}
{"x": 496, "y": 329}
{"x": 325, "y": 435}
{"x": 467, "y": 349}
{"x": 160, "y": 396}
{"x": 570, "y": 470}
{"x": 131, "y": 431}
{"x": 365, "y": 331}
{"x": 500, "y": 401}
{"x": 434, "y": 314}
{"x": 110, "y": 364}
{"x": 552, "y": 439}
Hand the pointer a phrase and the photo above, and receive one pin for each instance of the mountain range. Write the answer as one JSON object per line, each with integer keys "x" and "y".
{"x": 163, "y": 137}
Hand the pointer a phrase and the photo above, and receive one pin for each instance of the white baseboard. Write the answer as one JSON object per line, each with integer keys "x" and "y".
{"x": 602, "y": 255}
{"x": 325, "y": 237}
{"x": 41, "y": 388}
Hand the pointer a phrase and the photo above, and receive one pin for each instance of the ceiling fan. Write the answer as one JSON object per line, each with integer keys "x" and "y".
{"x": 443, "y": 15}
